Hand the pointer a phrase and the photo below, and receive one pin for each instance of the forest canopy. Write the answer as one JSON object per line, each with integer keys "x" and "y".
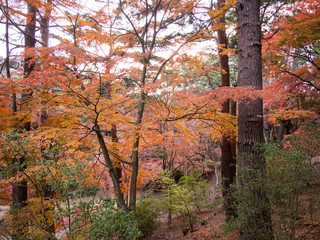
{"x": 103, "y": 103}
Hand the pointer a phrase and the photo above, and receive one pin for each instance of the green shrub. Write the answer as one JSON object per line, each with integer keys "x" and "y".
{"x": 147, "y": 213}
{"x": 185, "y": 198}
{"x": 291, "y": 184}
{"x": 293, "y": 191}
{"x": 103, "y": 221}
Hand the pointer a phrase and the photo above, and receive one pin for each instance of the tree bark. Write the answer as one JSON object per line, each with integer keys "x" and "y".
{"x": 20, "y": 187}
{"x": 30, "y": 39}
{"x": 8, "y": 73}
{"x": 105, "y": 90}
{"x": 233, "y": 112}
{"x": 135, "y": 151}
{"x": 29, "y": 64}
{"x": 44, "y": 24}
{"x": 117, "y": 163}
{"x": 19, "y": 192}
{"x": 228, "y": 161}
{"x": 7, "y": 44}
{"x": 254, "y": 207}
{"x": 111, "y": 169}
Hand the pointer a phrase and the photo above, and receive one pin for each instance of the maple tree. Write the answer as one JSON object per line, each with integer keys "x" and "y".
{"x": 87, "y": 96}
{"x": 290, "y": 55}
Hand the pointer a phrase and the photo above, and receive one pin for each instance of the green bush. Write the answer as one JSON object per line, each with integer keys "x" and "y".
{"x": 292, "y": 187}
{"x": 293, "y": 191}
{"x": 103, "y": 221}
{"x": 147, "y": 213}
{"x": 185, "y": 198}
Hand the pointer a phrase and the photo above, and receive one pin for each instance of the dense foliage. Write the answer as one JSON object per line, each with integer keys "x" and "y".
{"x": 106, "y": 99}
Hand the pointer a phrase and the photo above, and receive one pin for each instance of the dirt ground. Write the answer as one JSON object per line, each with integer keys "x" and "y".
{"x": 307, "y": 229}
{"x": 211, "y": 229}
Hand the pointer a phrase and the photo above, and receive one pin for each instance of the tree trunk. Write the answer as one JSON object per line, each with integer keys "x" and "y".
{"x": 233, "y": 112}
{"x": 20, "y": 187}
{"x": 19, "y": 191}
{"x": 30, "y": 39}
{"x": 7, "y": 43}
{"x": 228, "y": 161}
{"x": 254, "y": 207}
{"x": 111, "y": 169}
{"x": 8, "y": 73}
{"x": 29, "y": 64}
{"x": 105, "y": 90}
{"x": 135, "y": 155}
{"x": 117, "y": 163}
{"x": 44, "y": 24}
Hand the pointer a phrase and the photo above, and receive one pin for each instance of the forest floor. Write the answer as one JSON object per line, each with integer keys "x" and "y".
{"x": 307, "y": 228}
{"x": 212, "y": 229}
{"x": 209, "y": 224}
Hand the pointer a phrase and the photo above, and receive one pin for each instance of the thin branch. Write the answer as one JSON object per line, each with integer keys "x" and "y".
{"x": 303, "y": 80}
{"x": 18, "y": 27}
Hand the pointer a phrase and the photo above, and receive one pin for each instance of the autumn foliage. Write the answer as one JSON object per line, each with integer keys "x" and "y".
{"x": 123, "y": 91}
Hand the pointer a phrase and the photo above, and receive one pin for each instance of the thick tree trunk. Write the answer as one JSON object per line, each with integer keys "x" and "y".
{"x": 8, "y": 73}
{"x": 29, "y": 64}
{"x": 233, "y": 112}
{"x": 254, "y": 208}
{"x": 19, "y": 192}
{"x": 30, "y": 39}
{"x": 19, "y": 198}
{"x": 7, "y": 44}
{"x": 44, "y": 24}
{"x": 20, "y": 187}
{"x": 228, "y": 161}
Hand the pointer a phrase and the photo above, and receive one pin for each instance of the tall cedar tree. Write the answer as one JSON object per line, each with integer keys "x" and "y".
{"x": 20, "y": 187}
{"x": 255, "y": 218}
{"x": 228, "y": 161}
